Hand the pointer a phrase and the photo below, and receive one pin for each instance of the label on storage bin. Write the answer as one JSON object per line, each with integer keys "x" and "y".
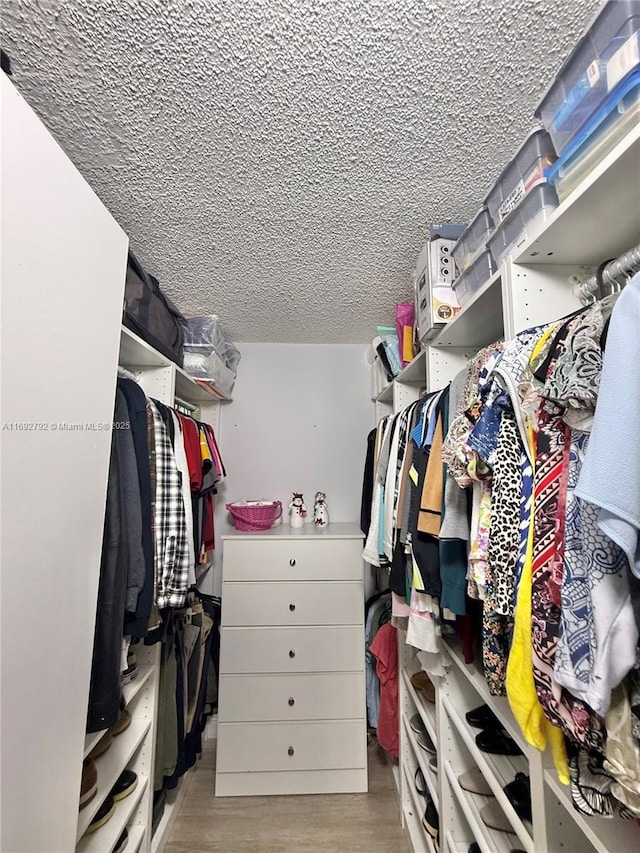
{"x": 623, "y": 60}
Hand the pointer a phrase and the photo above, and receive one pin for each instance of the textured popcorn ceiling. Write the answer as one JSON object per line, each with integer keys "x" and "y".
{"x": 276, "y": 162}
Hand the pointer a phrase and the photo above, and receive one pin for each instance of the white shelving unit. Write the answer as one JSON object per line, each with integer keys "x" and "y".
{"x": 598, "y": 221}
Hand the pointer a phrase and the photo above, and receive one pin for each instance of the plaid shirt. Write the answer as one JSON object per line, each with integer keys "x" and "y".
{"x": 172, "y": 550}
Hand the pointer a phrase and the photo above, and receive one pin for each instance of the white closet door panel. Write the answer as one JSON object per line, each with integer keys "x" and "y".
{"x": 293, "y": 603}
{"x": 320, "y": 696}
{"x": 292, "y": 649}
{"x": 290, "y": 746}
{"x": 292, "y": 560}
{"x": 291, "y": 782}
{"x": 63, "y": 270}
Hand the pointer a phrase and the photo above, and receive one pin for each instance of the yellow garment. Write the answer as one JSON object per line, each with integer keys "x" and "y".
{"x": 205, "y": 453}
{"x": 521, "y": 689}
{"x": 430, "y": 514}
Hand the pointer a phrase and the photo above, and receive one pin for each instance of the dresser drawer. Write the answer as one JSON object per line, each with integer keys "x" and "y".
{"x": 330, "y": 603}
{"x": 254, "y": 747}
{"x": 318, "y": 696}
{"x": 292, "y": 649}
{"x": 292, "y": 559}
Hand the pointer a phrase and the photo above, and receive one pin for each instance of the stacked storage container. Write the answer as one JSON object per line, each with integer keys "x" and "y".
{"x": 595, "y": 98}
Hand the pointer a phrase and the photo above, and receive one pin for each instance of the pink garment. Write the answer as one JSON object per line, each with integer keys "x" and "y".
{"x": 385, "y": 650}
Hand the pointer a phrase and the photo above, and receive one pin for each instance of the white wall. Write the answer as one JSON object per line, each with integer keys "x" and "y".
{"x": 298, "y": 421}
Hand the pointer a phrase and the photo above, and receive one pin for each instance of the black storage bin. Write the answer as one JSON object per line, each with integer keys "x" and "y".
{"x": 150, "y": 314}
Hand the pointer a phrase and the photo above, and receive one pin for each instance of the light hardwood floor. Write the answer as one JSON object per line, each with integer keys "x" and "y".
{"x": 323, "y": 823}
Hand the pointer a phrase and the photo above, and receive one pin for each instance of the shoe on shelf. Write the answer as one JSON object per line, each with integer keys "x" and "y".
{"x": 126, "y": 784}
{"x": 122, "y": 842}
{"x": 497, "y": 742}
{"x": 474, "y": 848}
{"x": 518, "y": 793}
{"x": 474, "y": 782}
{"x": 104, "y": 813}
{"x": 424, "y": 742}
{"x": 493, "y": 817}
{"x": 482, "y": 718}
{"x": 431, "y": 821}
{"x": 433, "y": 763}
{"x": 416, "y": 725}
{"x": 102, "y": 746}
{"x": 421, "y": 784}
{"x": 424, "y": 685}
{"x": 124, "y": 721}
{"x": 89, "y": 784}
{"x": 129, "y": 673}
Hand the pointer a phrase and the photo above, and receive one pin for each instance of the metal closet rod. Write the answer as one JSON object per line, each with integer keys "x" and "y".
{"x": 188, "y": 406}
{"x": 614, "y": 273}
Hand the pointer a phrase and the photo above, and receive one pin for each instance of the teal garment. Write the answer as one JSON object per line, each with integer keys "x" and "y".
{"x": 453, "y": 574}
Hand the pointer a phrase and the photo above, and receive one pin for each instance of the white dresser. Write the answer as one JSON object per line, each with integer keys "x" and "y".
{"x": 292, "y": 704}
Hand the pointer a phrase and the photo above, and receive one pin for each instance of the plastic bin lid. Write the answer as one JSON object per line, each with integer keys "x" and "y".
{"x": 617, "y": 95}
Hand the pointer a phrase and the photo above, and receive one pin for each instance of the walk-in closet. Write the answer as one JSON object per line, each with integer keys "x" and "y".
{"x": 320, "y": 397}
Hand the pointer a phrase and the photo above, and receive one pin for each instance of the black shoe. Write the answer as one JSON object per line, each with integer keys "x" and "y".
{"x": 103, "y": 814}
{"x": 122, "y": 842}
{"x": 431, "y": 821}
{"x": 482, "y": 718}
{"x": 424, "y": 742}
{"x": 125, "y": 785}
{"x": 497, "y": 742}
{"x": 421, "y": 785}
{"x": 518, "y": 793}
{"x": 474, "y": 848}
{"x": 416, "y": 725}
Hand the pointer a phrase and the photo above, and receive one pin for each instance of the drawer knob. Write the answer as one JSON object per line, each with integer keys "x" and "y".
{"x": 292, "y": 701}
{"x": 292, "y": 562}
{"x": 291, "y": 750}
{"x": 292, "y": 654}
{"x": 292, "y": 607}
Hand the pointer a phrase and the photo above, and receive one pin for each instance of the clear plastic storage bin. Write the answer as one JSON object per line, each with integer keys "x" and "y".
{"x": 619, "y": 114}
{"x": 522, "y": 223}
{"x": 607, "y": 53}
{"x": 474, "y": 240}
{"x": 473, "y": 278}
{"x": 528, "y": 167}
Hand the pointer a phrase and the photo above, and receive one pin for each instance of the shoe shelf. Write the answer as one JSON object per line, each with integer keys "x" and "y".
{"x": 605, "y": 835}
{"x": 131, "y": 690}
{"x": 490, "y": 840}
{"x": 418, "y": 758}
{"x": 104, "y": 839}
{"x": 90, "y": 741}
{"x": 110, "y": 765}
{"x": 420, "y": 838}
{"x": 427, "y": 710}
{"x": 136, "y": 837}
{"x": 498, "y": 704}
{"x": 453, "y": 846}
{"x": 497, "y": 770}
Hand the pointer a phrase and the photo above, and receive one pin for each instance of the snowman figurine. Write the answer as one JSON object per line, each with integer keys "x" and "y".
{"x": 297, "y": 511}
{"x": 320, "y": 511}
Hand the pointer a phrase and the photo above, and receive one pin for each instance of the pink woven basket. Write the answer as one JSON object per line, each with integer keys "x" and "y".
{"x": 254, "y": 515}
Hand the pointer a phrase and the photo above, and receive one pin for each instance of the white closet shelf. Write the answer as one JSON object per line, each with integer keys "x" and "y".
{"x": 498, "y": 704}
{"x": 599, "y": 831}
{"x": 414, "y": 372}
{"x": 456, "y": 846}
{"x": 136, "y": 835}
{"x": 422, "y": 762}
{"x": 490, "y": 841}
{"x": 386, "y": 395}
{"x": 480, "y": 321}
{"x": 90, "y": 741}
{"x": 104, "y": 839}
{"x": 599, "y": 219}
{"x": 131, "y": 690}
{"x": 189, "y": 389}
{"x": 420, "y": 838}
{"x": 426, "y": 710}
{"x": 498, "y": 770}
{"x": 110, "y": 766}
{"x": 134, "y": 352}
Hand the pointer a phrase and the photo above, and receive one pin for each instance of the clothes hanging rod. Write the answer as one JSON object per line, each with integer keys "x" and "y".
{"x": 188, "y": 406}
{"x": 615, "y": 272}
